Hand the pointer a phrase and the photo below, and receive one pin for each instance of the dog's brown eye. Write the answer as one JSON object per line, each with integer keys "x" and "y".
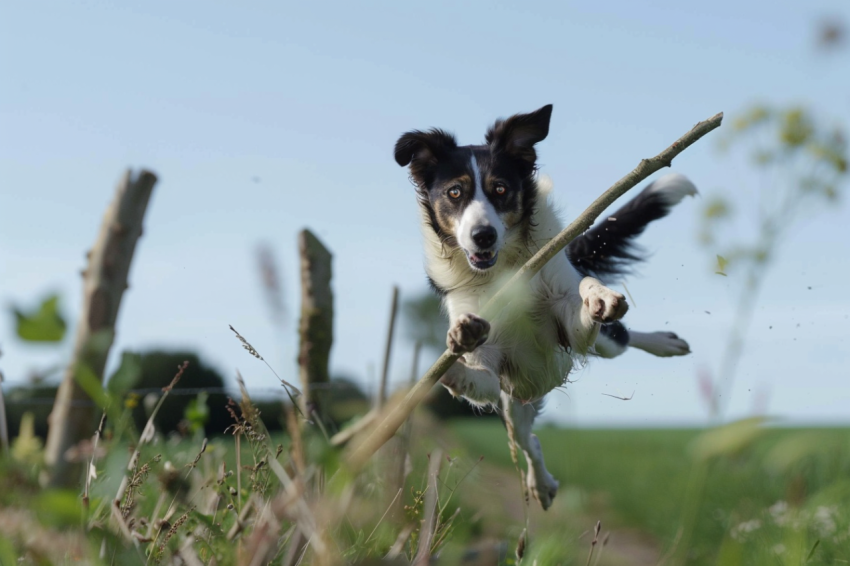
{"x": 454, "y": 192}
{"x": 500, "y": 189}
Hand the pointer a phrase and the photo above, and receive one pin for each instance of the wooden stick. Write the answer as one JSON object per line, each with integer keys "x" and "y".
{"x": 104, "y": 283}
{"x": 399, "y": 413}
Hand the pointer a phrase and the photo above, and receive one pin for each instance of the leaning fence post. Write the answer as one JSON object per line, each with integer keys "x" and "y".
{"x": 316, "y": 327}
{"x": 385, "y": 369}
{"x": 104, "y": 283}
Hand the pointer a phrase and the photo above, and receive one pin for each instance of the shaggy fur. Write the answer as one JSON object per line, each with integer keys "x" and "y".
{"x": 485, "y": 212}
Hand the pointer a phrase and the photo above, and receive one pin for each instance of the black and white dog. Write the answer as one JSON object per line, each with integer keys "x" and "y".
{"x": 485, "y": 212}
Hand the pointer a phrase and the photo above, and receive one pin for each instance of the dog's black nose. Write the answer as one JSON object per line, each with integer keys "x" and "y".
{"x": 484, "y": 236}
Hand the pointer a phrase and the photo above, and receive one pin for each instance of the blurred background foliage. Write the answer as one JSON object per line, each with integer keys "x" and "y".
{"x": 45, "y": 324}
{"x": 802, "y": 161}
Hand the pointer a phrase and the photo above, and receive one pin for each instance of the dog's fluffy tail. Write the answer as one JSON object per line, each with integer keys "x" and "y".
{"x": 608, "y": 248}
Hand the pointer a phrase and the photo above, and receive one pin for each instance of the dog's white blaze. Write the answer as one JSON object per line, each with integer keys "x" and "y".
{"x": 479, "y": 212}
{"x": 476, "y": 174}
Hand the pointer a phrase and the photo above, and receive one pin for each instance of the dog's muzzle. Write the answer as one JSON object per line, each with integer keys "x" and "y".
{"x": 484, "y": 237}
{"x": 482, "y": 260}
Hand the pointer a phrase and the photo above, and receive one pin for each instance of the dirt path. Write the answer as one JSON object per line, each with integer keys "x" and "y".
{"x": 496, "y": 492}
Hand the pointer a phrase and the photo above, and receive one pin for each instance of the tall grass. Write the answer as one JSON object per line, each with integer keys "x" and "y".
{"x": 244, "y": 498}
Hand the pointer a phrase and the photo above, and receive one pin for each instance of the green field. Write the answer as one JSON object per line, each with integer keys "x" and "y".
{"x": 756, "y": 495}
{"x": 743, "y": 494}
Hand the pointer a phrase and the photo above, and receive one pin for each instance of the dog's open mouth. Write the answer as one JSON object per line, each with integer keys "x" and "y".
{"x": 482, "y": 260}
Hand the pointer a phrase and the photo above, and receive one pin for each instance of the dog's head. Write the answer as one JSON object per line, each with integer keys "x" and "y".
{"x": 475, "y": 195}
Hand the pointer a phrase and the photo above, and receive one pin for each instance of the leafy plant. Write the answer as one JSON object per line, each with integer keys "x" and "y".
{"x": 44, "y": 324}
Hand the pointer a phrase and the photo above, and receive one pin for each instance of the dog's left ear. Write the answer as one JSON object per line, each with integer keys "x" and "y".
{"x": 517, "y": 135}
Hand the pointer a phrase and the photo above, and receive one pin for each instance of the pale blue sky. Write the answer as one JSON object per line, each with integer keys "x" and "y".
{"x": 310, "y": 98}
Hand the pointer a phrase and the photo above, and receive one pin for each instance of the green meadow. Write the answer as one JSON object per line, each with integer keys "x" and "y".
{"x": 743, "y": 494}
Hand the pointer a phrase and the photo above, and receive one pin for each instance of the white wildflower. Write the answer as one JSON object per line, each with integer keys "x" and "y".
{"x": 824, "y": 520}
{"x": 779, "y": 512}
{"x": 739, "y": 531}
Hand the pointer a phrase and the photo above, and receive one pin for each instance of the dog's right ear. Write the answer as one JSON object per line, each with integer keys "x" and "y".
{"x": 517, "y": 135}
{"x": 418, "y": 148}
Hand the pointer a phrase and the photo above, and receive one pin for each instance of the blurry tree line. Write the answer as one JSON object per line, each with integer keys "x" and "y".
{"x": 199, "y": 400}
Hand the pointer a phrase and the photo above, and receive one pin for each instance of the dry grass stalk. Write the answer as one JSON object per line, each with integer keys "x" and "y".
{"x": 136, "y": 481}
{"x": 289, "y": 502}
{"x": 393, "y": 418}
{"x": 242, "y": 518}
{"x": 429, "y": 521}
{"x": 303, "y": 554}
{"x": 601, "y": 549}
{"x": 520, "y": 546}
{"x": 91, "y": 472}
{"x": 115, "y": 510}
{"x": 594, "y": 541}
{"x": 445, "y": 528}
{"x": 197, "y": 458}
{"x": 291, "y": 391}
{"x": 148, "y": 431}
{"x": 296, "y": 450}
{"x": 381, "y": 520}
{"x": 152, "y": 522}
{"x": 398, "y": 546}
{"x": 293, "y": 543}
{"x": 298, "y": 545}
{"x": 171, "y": 532}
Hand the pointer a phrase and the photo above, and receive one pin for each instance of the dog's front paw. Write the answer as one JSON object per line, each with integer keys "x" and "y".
{"x": 468, "y": 332}
{"x": 605, "y": 305}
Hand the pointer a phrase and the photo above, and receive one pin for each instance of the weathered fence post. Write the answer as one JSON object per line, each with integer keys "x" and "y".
{"x": 4, "y": 430}
{"x": 316, "y": 328}
{"x": 385, "y": 369}
{"x": 104, "y": 283}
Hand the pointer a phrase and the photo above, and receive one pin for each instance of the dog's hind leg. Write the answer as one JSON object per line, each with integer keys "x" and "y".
{"x": 479, "y": 385}
{"x": 519, "y": 418}
{"x": 613, "y": 340}
{"x": 662, "y": 344}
